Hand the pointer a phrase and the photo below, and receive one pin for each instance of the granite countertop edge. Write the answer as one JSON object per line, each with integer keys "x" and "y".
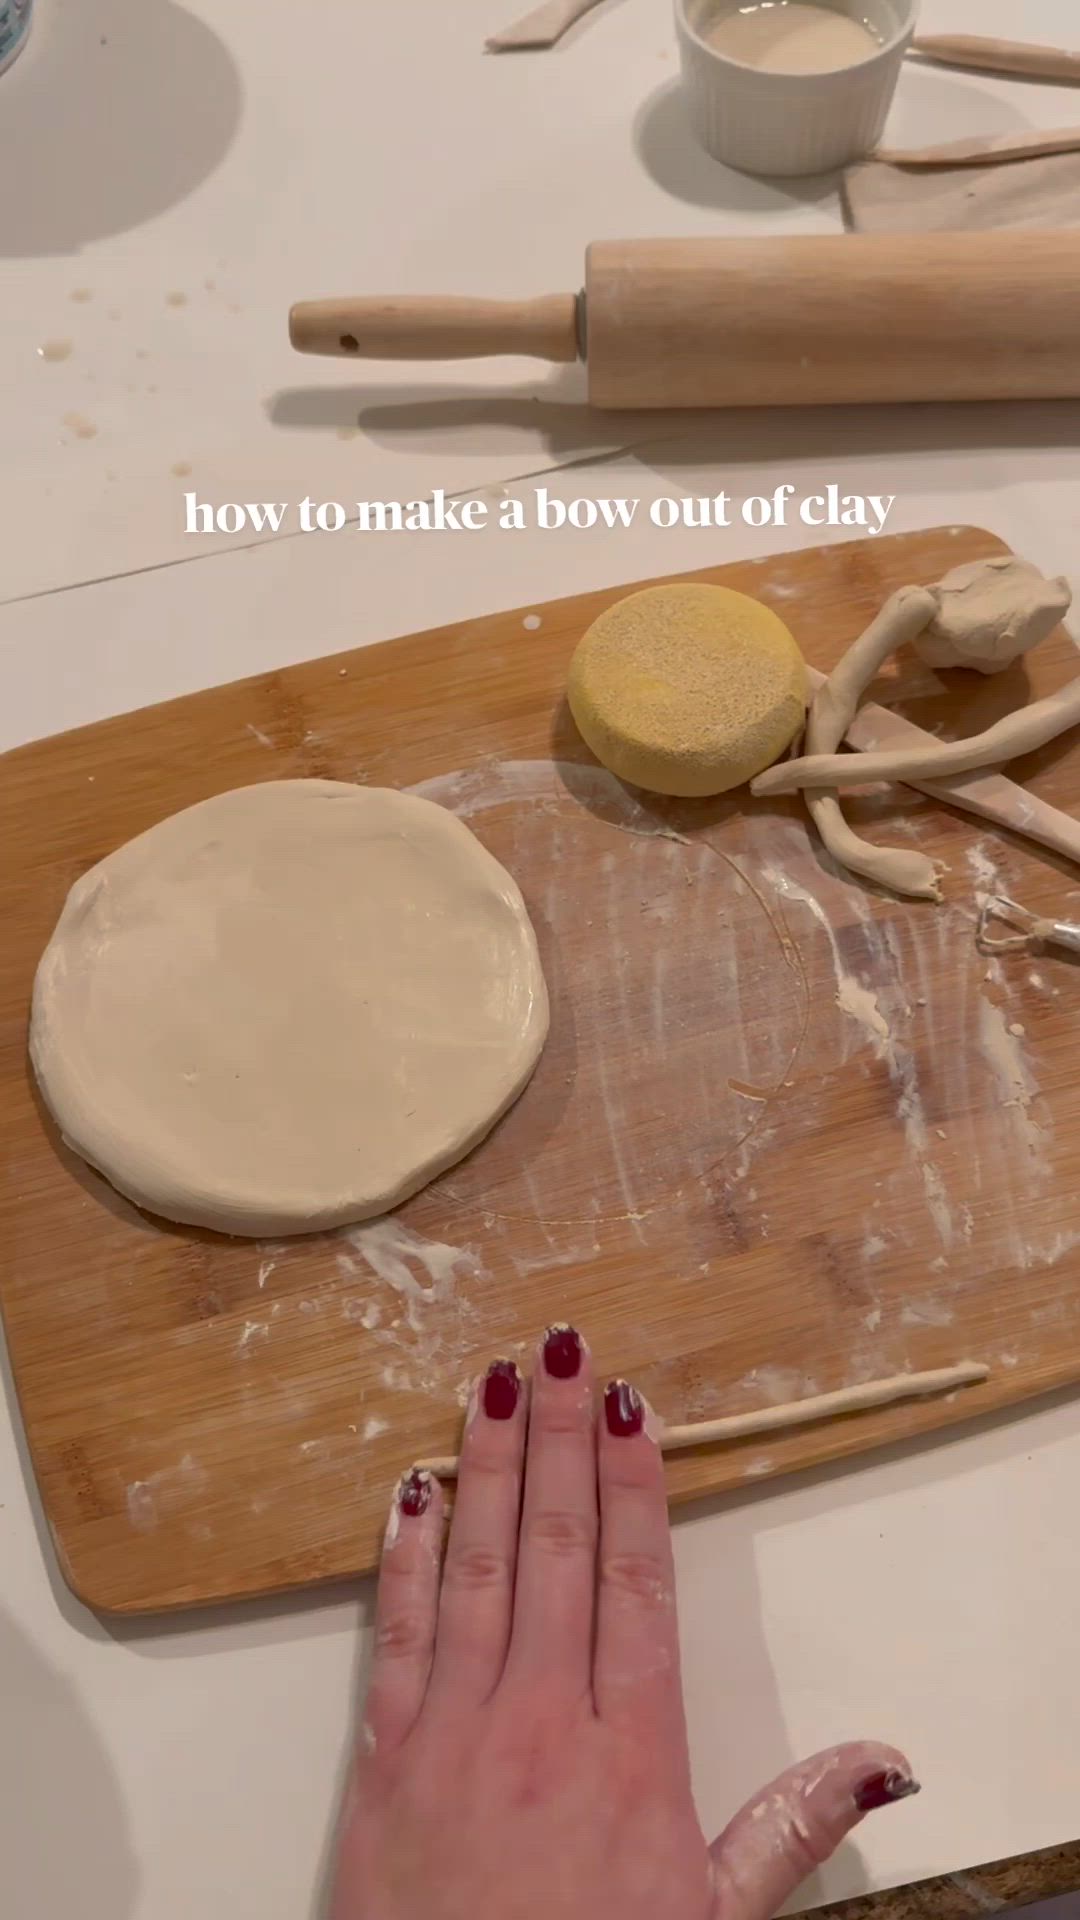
{"x": 1018, "y": 1882}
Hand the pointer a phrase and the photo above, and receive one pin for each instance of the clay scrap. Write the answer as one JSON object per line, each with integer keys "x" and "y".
{"x": 831, "y": 714}
{"x": 983, "y": 615}
{"x": 795, "y": 1413}
{"x": 990, "y": 612}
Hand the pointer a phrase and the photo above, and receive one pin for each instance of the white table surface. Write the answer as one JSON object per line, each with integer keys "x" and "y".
{"x": 928, "y": 1597}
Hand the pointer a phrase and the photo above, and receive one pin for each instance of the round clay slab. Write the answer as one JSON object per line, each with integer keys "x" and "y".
{"x": 288, "y": 1007}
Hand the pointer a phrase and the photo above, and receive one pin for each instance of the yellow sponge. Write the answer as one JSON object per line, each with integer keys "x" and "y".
{"x": 687, "y": 689}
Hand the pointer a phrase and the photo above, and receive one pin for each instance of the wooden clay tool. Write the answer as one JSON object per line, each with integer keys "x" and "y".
{"x": 984, "y": 150}
{"x": 823, "y": 1406}
{"x": 998, "y": 56}
{"x": 541, "y": 27}
{"x": 807, "y": 320}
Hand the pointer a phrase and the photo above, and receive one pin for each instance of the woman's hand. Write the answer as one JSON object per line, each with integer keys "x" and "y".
{"x": 524, "y": 1750}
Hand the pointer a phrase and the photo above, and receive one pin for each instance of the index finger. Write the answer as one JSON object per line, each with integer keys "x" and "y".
{"x": 636, "y": 1673}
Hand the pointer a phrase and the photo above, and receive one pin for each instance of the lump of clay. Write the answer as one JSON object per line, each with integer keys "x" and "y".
{"x": 990, "y": 612}
{"x": 687, "y": 689}
{"x": 287, "y": 1007}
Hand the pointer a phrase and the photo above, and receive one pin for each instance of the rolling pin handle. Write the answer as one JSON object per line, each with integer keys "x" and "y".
{"x": 422, "y": 327}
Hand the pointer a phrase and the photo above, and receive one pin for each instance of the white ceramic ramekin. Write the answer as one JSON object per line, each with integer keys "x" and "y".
{"x": 792, "y": 123}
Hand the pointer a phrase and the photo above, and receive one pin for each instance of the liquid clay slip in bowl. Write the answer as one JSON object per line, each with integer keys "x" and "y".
{"x": 15, "y": 18}
{"x": 790, "y": 87}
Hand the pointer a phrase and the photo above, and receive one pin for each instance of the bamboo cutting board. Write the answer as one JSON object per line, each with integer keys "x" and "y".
{"x": 729, "y": 1180}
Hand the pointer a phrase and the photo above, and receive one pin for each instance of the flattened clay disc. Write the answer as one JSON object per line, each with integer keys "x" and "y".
{"x": 288, "y": 1007}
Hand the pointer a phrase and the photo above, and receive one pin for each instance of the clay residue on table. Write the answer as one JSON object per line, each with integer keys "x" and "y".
{"x": 812, "y": 980}
{"x": 622, "y": 1011}
{"x": 1002, "y": 1048}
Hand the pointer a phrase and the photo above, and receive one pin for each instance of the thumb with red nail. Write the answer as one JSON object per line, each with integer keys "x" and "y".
{"x": 523, "y": 1743}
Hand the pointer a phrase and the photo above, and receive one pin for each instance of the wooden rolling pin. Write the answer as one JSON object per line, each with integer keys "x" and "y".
{"x": 804, "y": 321}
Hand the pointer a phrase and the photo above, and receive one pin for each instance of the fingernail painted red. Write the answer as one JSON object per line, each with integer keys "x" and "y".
{"x": 562, "y": 1353}
{"x": 882, "y": 1789}
{"x": 502, "y": 1385}
{"x": 414, "y": 1495}
{"x": 624, "y": 1409}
